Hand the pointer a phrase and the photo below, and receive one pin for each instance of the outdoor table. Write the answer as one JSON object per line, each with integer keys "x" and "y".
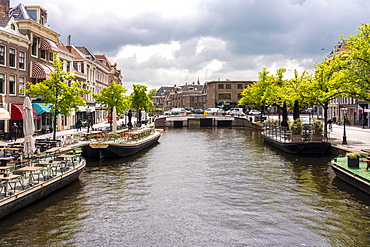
{"x": 4, "y": 169}
{"x": 31, "y": 169}
{"x": 10, "y": 179}
{"x": 54, "y": 164}
{"x": 5, "y": 160}
{"x": 68, "y": 157}
{"x": 19, "y": 162}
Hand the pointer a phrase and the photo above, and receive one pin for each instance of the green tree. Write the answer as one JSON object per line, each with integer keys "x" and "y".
{"x": 60, "y": 91}
{"x": 325, "y": 84}
{"x": 356, "y": 71}
{"x": 140, "y": 100}
{"x": 266, "y": 91}
{"x": 113, "y": 96}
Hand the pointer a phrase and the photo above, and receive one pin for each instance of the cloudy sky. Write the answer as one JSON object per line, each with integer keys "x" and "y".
{"x": 167, "y": 42}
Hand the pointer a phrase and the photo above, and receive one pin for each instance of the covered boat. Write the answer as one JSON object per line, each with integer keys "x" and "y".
{"x": 121, "y": 144}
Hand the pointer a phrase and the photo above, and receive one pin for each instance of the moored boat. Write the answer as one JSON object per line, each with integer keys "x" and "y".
{"x": 122, "y": 144}
{"x": 279, "y": 137}
{"x": 355, "y": 175}
{"x": 19, "y": 191}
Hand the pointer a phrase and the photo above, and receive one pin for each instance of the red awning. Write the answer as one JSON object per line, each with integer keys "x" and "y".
{"x": 17, "y": 112}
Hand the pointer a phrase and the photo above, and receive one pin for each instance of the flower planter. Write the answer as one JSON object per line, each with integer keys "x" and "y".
{"x": 316, "y": 138}
{"x": 296, "y": 138}
{"x": 351, "y": 162}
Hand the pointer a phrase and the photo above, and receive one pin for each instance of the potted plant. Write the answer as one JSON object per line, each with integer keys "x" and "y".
{"x": 51, "y": 129}
{"x": 317, "y": 130}
{"x": 353, "y": 159}
{"x": 296, "y": 128}
{"x": 43, "y": 130}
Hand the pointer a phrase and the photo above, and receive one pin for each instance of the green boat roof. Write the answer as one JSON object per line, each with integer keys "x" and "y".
{"x": 361, "y": 171}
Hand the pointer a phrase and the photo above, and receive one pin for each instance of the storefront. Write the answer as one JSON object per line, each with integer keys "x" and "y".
{"x": 44, "y": 117}
{"x": 16, "y": 116}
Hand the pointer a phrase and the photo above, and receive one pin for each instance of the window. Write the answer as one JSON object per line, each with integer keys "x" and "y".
{"x": 12, "y": 84}
{"x": 228, "y": 86}
{"x": 223, "y": 96}
{"x": 240, "y": 86}
{"x": 43, "y": 54}
{"x": 2, "y": 55}
{"x": 50, "y": 56}
{"x": 2, "y": 82}
{"x": 220, "y": 86}
{"x": 35, "y": 43}
{"x": 12, "y": 57}
{"x": 22, "y": 57}
{"x": 21, "y": 84}
{"x": 68, "y": 66}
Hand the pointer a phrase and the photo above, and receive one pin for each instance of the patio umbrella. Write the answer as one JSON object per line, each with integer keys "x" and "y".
{"x": 114, "y": 120}
{"x": 295, "y": 110}
{"x": 4, "y": 114}
{"x": 129, "y": 124}
{"x": 28, "y": 128}
{"x": 284, "y": 122}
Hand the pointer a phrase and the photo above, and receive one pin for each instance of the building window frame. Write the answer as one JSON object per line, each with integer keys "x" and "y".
{"x": 12, "y": 59}
{"x": 220, "y": 86}
{"x": 2, "y": 55}
{"x": 224, "y": 96}
{"x": 21, "y": 84}
{"x": 34, "y": 47}
{"x": 228, "y": 86}
{"x": 12, "y": 85}
{"x": 2, "y": 83}
{"x": 22, "y": 60}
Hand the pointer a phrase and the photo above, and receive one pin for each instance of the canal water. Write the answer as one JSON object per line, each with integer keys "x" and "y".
{"x": 199, "y": 187}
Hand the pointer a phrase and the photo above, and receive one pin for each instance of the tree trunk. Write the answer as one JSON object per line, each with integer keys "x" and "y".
{"x": 55, "y": 127}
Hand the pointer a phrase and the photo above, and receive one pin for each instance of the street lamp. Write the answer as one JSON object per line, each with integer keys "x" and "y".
{"x": 344, "y": 112}
{"x": 88, "y": 111}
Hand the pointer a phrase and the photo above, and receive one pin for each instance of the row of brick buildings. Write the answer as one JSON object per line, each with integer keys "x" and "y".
{"x": 221, "y": 94}
{"x": 27, "y": 45}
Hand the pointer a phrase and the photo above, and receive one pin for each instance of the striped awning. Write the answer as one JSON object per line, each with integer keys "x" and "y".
{"x": 40, "y": 71}
{"x": 48, "y": 45}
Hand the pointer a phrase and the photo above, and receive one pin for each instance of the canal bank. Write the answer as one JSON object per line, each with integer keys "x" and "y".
{"x": 358, "y": 139}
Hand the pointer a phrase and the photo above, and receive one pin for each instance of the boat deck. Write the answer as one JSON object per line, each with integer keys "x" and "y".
{"x": 341, "y": 161}
{"x": 37, "y": 172}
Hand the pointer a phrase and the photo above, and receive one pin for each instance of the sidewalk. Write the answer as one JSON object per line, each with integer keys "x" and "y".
{"x": 358, "y": 139}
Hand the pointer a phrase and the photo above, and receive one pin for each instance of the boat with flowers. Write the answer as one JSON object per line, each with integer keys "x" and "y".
{"x": 121, "y": 144}
{"x": 353, "y": 169}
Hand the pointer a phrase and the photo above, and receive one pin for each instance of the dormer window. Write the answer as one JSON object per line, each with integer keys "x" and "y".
{"x": 12, "y": 27}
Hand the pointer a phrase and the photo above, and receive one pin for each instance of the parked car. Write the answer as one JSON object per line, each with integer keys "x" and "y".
{"x": 178, "y": 111}
{"x": 235, "y": 113}
{"x": 190, "y": 110}
{"x": 254, "y": 112}
{"x": 198, "y": 111}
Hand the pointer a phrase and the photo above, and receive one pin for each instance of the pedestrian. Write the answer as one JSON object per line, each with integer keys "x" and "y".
{"x": 330, "y": 125}
{"x": 14, "y": 132}
{"x": 78, "y": 125}
{"x": 363, "y": 122}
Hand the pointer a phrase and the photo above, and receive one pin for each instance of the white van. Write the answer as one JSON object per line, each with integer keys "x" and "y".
{"x": 214, "y": 111}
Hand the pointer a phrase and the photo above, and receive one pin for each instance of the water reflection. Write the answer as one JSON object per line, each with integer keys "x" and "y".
{"x": 198, "y": 187}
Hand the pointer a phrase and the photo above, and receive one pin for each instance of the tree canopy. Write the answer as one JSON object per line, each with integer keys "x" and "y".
{"x": 60, "y": 91}
{"x": 140, "y": 100}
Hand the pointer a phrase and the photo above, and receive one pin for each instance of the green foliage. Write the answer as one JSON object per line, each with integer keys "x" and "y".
{"x": 140, "y": 99}
{"x": 296, "y": 127}
{"x": 317, "y": 127}
{"x": 357, "y": 55}
{"x": 113, "y": 95}
{"x": 60, "y": 91}
{"x": 352, "y": 155}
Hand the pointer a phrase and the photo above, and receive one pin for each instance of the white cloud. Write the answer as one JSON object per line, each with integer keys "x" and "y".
{"x": 168, "y": 42}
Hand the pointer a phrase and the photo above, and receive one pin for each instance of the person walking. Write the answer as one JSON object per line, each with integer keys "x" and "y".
{"x": 14, "y": 132}
{"x": 78, "y": 125}
{"x": 330, "y": 125}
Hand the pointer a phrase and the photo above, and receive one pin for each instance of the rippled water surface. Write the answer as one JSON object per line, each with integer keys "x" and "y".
{"x": 199, "y": 187}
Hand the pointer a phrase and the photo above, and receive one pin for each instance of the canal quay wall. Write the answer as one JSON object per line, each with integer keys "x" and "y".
{"x": 199, "y": 121}
{"x": 358, "y": 139}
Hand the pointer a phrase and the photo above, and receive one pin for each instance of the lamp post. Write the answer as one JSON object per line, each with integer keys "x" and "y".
{"x": 344, "y": 112}
{"x": 88, "y": 111}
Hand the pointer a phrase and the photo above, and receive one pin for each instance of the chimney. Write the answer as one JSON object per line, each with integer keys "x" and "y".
{"x": 4, "y": 8}
{"x": 69, "y": 40}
